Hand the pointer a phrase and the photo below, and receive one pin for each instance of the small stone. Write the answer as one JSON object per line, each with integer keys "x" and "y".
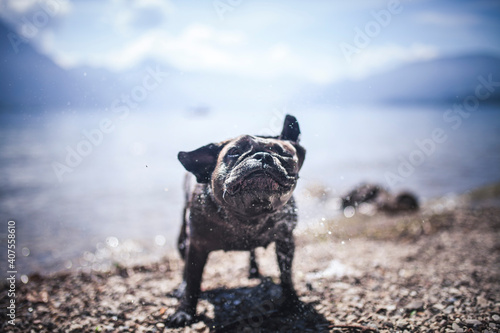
{"x": 415, "y": 306}
{"x": 482, "y": 302}
{"x": 199, "y": 326}
{"x": 401, "y": 324}
{"x": 457, "y": 328}
{"x": 449, "y": 309}
{"x": 473, "y": 322}
{"x": 438, "y": 306}
{"x": 160, "y": 325}
{"x": 495, "y": 317}
{"x": 388, "y": 324}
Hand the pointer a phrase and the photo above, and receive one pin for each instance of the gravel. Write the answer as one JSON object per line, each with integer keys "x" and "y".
{"x": 425, "y": 272}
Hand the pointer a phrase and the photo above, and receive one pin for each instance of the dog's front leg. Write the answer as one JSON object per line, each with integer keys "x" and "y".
{"x": 285, "y": 251}
{"x": 193, "y": 270}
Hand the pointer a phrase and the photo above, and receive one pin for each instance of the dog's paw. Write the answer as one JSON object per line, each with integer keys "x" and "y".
{"x": 179, "y": 319}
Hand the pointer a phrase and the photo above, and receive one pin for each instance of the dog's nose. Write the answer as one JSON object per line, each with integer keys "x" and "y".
{"x": 265, "y": 158}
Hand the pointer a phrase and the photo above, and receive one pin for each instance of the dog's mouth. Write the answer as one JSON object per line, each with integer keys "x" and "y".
{"x": 262, "y": 179}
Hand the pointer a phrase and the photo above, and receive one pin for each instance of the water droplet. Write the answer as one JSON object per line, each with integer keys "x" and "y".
{"x": 24, "y": 279}
{"x": 160, "y": 240}
{"x": 112, "y": 241}
{"x": 25, "y": 251}
{"x": 68, "y": 264}
{"x": 89, "y": 256}
{"x": 349, "y": 211}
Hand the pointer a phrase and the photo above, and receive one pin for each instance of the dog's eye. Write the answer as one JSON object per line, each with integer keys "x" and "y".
{"x": 280, "y": 151}
{"x": 234, "y": 152}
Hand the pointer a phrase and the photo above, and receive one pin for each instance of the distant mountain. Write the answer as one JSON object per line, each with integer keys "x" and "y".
{"x": 32, "y": 82}
{"x": 29, "y": 79}
{"x": 439, "y": 80}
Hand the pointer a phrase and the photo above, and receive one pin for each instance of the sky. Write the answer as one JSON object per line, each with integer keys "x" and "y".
{"x": 319, "y": 42}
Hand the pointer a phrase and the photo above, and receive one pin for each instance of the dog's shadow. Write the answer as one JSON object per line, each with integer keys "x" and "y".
{"x": 260, "y": 309}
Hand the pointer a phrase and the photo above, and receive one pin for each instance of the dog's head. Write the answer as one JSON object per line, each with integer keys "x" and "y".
{"x": 250, "y": 175}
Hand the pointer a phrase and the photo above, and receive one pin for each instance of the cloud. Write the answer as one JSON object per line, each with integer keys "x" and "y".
{"x": 258, "y": 43}
{"x": 381, "y": 58}
{"x": 34, "y": 20}
{"x": 139, "y": 15}
{"x": 202, "y": 48}
{"x": 15, "y": 10}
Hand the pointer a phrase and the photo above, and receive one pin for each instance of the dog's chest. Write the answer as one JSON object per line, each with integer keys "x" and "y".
{"x": 215, "y": 229}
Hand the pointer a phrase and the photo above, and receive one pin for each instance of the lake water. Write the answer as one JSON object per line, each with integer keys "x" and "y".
{"x": 88, "y": 183}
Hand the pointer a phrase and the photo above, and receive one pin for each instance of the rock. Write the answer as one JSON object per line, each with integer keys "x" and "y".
{"x": 473, "y": 322}
{"x": 438, "y": 307}
{"x": 389, "y": 324}
{"x": 415, "y": 306}
{"x": 381, "y": 199}
{"x": 401, "y": 324}
{"x": 495, "y": 318}
{"x": 449, "y": 309}
{"x": 457, "y": 328}
{"x": 481, "y": 301}
{"x": 199, "y": 326}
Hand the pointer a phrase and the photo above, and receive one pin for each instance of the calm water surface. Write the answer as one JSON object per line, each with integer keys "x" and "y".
{"x": 89, "y": 182}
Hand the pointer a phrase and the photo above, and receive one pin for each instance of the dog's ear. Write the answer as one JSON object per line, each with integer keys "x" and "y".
{"x": 291, "y": 130}
{"x": 202, "y": 161}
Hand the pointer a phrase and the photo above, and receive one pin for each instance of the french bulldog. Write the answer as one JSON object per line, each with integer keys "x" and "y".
{"x": 242, "y": 199}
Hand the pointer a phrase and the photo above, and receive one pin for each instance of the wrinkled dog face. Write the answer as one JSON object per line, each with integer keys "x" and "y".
{"x": 250, "y": 176}
{"x": 255, "y": 175}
